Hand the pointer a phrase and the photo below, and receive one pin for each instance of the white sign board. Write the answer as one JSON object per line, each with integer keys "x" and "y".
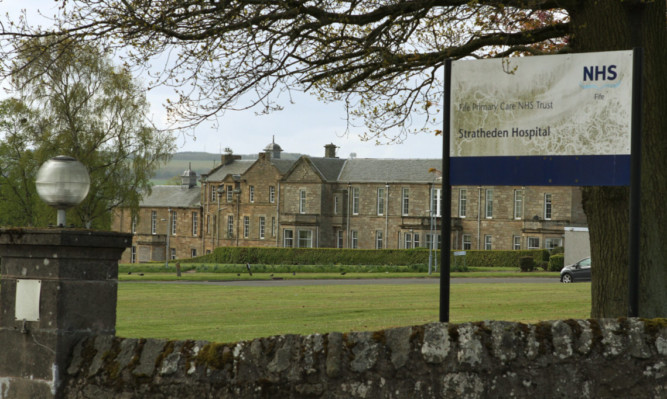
{"x": 28, "y": 293}
{"x": 558, "y": 105}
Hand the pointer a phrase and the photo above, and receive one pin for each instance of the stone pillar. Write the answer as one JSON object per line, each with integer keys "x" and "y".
{"x": 57, "y": 286}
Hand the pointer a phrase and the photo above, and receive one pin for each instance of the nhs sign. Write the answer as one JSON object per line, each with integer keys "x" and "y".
{"x": 542, "y": 120}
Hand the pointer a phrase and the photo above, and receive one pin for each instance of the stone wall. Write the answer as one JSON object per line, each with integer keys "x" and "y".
{"x": 561, "y": 359}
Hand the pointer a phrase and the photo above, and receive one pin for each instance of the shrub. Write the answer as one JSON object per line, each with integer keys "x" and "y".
{"x": 556, "y": 262}
{"x": 526, "y": 264}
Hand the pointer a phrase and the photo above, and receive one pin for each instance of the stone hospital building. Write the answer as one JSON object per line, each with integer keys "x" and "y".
{"x": 329, "y": 202}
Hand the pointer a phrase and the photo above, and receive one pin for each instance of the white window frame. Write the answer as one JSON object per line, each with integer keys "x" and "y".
{"x": 466, "y": 242}
{"x": 548, "y": 206}
{"x": 518, "y": 204}
{"x": 335, "y": 205}
{"x": 272, "y": 194}
{"x": 153, "y": 222}
{"x": 193, "y": 252}
{"x": 340, "y": 243}
{"x": 133, "y": 227}
{"x": 355, "y": 200}
{"x": 532, "y": 242}
{"x": 415, "y": 240}
{"x": 172, "y": 253}
{"x": 405, "y": 201}
{"x": 230, "y": 226}
{"x": 273, "y": 226}
{"x": 262, "y": 227}
{"x": 549, "y": 242}
{"x": 489, "y": 204}
{"x": 251, "y": 194}
{"x": 246, "y": 226}
{"x": 173, "y": 223}
{"x": 230, "y": 193}
{"x": 213, "y": 193}
{"x": 305, "y": 237}
{"x": 407, "y": 240}
{"x": 133, "y": 254}
{"x": 463, "y": 202}
{"x": 380, "y": 201}
{"x": 488, "y": 239}
{"x": 302, "y": 201}
{"x": 288, "y": 238}
{"x": 516, "y": 242}
{"x": 436, "y": 201}
{"x": 379, "y": 237}
{"x": 354, "y": 239}
{"x": 195, "y": 223}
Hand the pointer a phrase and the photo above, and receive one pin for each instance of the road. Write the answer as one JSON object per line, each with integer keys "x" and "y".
{"x": 399, "y": 281}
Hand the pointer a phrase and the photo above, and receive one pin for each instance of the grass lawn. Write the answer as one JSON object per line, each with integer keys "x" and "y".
{"x": 229, "y": 314}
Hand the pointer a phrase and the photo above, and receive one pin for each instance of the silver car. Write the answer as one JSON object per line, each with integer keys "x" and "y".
{"x": 580, "y": 271}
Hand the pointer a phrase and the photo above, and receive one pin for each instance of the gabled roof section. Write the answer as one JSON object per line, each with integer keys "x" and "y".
{"x": 368, "y": 170}
{"x": 172, "y": 196}
{"x": 329, "y": 168}
{"x": 283, "y": 165}
{"x": 238, "y": 167}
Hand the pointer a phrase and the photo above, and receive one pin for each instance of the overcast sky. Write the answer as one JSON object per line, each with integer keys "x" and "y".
{"x": 304, "y": 126}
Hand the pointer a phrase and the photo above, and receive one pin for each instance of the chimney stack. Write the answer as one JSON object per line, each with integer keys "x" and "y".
{"x": 330, "y": 151}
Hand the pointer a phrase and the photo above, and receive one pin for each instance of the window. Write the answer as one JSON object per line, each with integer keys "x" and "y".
{"x": 173, "y": 223}
{"x": 407, "y": 240}
{"x": 378, "y": 239}
{"x": 489, "y": 203}
{"x": 355, "y": 200}
{"x": 547, "y": 206}
{"x": 251, "y": 194}
{"x": 193, "y": 252}
{"x": 153, "y": 222}
{"x": 436, "y": 201}
{"x": 288, "y": 238}
{"x": 173, "y": 253}
{"x": 246, "y": 226}
{"x": 133, "y": 255}
{"x": 339, "y": 239}
{"x": 262, "y": 227}
{"x": 272, "y": 194}
{"x": 230, "y": 192}
{"x": 305, "y": 239}
{"x": 302, "y": 201}
{"x": 533, "y": 243}
{"x": 134, "y": 224}
{"x": 273, "y": 226}
{"x": 208, "y": 223}
{"x": 213, "y": 193}
{"x": 518, "y": 204}
{"x": 335, "y": 210}
{"x": 487, "y": 242}
{"x": 380, "y": 205}
{"x": 463, "y": 202}
{"x": 215, "y": 225}
{"x": 195, "y": 222}
{"x": 415, "y": 238}
{"x": 230, "y": 226}
{"x": 405, "y": 201}
{"x": 516, "y": 242}
{"x": 467, "y": 241}
{"x": 551, "y": 243}
{"x": 354, "y": 238}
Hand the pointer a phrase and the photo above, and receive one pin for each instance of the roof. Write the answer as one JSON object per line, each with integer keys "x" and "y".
{"x": 368, "y": 170}
{"x": 172, "y": 196}
{"x": 329, "y": 168}
{"x": 238, "y": 167}
{"x": 283, "y": 165}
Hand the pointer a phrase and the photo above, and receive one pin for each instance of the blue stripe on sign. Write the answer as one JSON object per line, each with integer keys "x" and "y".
{"x": 586, "y": 170}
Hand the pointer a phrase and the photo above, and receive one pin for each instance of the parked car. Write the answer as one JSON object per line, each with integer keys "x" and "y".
{"x": 580, "y": 271}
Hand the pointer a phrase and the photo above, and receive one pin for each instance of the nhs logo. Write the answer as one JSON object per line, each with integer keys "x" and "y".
{"x": 600, "y": 77}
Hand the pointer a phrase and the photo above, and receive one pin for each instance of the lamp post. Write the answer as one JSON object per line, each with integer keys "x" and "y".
{"x": 62, "y": 182}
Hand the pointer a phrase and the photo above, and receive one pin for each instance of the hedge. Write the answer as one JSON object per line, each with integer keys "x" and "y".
{"x": 337, "y": 256}
{"x": 556, "y": 262}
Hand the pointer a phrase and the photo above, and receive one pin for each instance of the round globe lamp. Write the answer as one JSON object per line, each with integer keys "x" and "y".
{"x": 62, "y": 182}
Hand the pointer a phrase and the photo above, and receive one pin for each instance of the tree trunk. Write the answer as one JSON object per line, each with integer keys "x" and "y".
{"x": 616, "y": 25}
